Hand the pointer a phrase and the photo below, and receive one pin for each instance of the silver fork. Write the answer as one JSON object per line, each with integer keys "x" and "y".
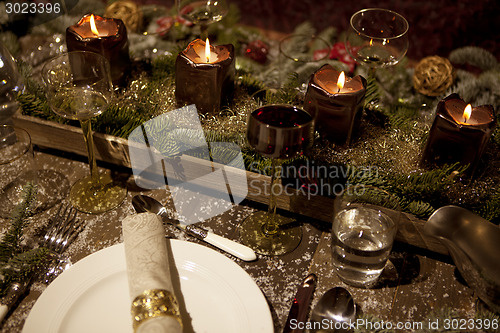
{"x": 62, "y": 230}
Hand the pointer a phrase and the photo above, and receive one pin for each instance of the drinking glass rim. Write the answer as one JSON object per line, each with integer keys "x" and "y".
{"x": 377, "y": 209}
{"x": 287, "y": 106}
{"x": 407, "y": 25}
{"x": 24, "y": 151}
{"x": 105, "y": 61}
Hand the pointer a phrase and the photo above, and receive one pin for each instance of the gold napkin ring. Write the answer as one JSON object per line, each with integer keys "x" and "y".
{"x": 154, "y": 303}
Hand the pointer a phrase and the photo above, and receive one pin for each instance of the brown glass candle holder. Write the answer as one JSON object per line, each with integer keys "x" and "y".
{"x": 206, "y": 82}
{"x": 105, "y": 36}
{"x": 453, "y": 138}
{"x": 339, "y": 109}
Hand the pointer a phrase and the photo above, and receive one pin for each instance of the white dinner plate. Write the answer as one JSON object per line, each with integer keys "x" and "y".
{"x": 93, "y": 295}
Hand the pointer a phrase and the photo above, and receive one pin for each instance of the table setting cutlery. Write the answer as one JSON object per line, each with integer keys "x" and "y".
{"x": 335, "y": 311}
{"x": 300, "y": 306}
{"x": 61, "y": 232}
{"x": 338, "y": 308}
{"x": 143, "y": 203}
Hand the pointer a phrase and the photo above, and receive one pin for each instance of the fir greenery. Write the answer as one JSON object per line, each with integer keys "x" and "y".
{"x": 395, "y": 115}
{"x": 11, "y": 241}
{"x": 17, "y": 264}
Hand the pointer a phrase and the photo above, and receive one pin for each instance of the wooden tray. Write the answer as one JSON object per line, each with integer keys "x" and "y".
{"x": 115, "y": 150}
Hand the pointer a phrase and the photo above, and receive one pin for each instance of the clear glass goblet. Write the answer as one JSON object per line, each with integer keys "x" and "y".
{"x": 298, "y": 50}
{"x": 279, "y": 132}
{"x": 79, "y": 88}
{"x": 377, "y": 37}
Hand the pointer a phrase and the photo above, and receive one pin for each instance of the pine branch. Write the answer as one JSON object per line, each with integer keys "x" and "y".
{"x": 287, "y": 94}
{"x": 251, "y": 84}
{"x": 32, "y": 105}
{"x": 475, "y": 56}
{"x": 422, "y": 192}
{"x": 367, "y": 176}
{"x": 419, "y": 209}
{"x": 373, "y": 94}
{"x": 426, "y": 185}
{"x": 164, "y": 67}
{"x": 496, "y": 136}
{"x": 22, "y": 265}
{"x": 10, "y": 243}
{"x": 490, "y": 208}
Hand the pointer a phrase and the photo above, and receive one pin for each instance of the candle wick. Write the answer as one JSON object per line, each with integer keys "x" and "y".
{"x": 338, "y": 91}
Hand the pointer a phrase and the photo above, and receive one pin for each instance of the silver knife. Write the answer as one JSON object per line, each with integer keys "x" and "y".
{"x": 300, "y": 306}
{"x": 15, "y": 291}
{"x": 143, "y": 203}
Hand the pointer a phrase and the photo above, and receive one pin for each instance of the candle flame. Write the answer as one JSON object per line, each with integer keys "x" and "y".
{"x": 371, "y": 42}
{"x": 467, "y": 112}
{"x": 341, "y": 81}
{"x": 207, "y": 50}
{"x": 93, "y": 26}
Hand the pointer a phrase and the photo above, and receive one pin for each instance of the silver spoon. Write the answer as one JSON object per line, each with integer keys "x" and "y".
{"x": 338, "y": 308}
{"x": 143, "y": 203}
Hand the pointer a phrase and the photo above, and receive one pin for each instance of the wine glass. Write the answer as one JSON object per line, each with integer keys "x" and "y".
{"x": 278, "y": 132}
{"x": 377, "y": 37}
{"x": 79, "y": 88}
{"x": 202, "y": 12}
{"x": 298, "y": 50}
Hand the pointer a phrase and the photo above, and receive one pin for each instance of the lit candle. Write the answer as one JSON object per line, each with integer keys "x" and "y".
{"x": 105, "y": 36}
{"x": 204, "y": 75}
{"x": 459, "y": 133}
{"x": 339, "y": 103}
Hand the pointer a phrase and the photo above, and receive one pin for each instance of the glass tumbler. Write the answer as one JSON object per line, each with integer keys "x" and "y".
{"x": 363, "y": 232}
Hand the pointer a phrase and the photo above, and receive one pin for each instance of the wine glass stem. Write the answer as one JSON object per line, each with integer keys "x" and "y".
{"x": 89, "y": 141}
{"x": 372, "y": 73}
{"x": 203, "y": 31}
{"x": 271, "y": 227}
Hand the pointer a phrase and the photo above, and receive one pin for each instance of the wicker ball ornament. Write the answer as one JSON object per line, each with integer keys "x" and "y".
{"x": 127, "y": 11}
{"x": 433, "y": 76}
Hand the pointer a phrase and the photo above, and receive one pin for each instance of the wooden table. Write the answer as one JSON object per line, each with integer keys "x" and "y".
{"x": 413, "y": 286}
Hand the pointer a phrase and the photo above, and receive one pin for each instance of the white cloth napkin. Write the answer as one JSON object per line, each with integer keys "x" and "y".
{"x": 148, "y": 269}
